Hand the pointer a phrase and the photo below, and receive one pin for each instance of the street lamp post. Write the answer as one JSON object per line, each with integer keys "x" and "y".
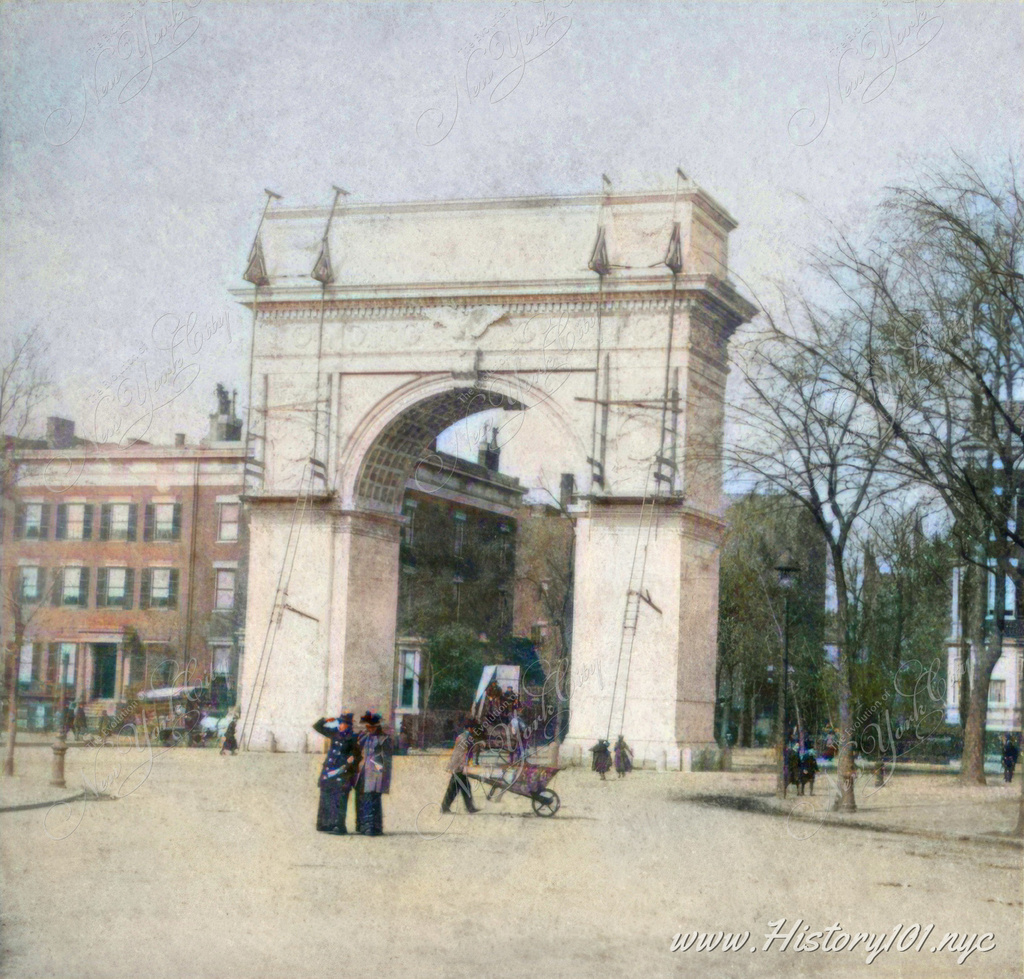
{"x": 60, "y": 745}
{"x": 788, "y": 572}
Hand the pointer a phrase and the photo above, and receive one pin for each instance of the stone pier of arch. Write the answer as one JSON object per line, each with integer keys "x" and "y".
{"x": 439, "y": 310}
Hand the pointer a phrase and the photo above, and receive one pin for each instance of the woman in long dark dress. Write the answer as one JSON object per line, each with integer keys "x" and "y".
{"x": 602, "y": 757}
{"x": 337, "y": 773}
{"x": 230, "y": 741}
{"x": 623, "y": 757}
{"x": 374, "y": 779}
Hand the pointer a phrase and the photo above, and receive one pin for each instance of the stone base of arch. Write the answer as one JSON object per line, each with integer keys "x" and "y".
{"x": 334, "y": 644}
{"x": 662, "y": 698}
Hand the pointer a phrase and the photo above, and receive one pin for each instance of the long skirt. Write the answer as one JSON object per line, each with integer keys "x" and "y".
{"x": 369, "y": 813}
{"x": 330, "y": 817}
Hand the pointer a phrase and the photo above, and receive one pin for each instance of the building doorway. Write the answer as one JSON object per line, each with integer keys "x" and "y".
{"x": 104, "y": 671}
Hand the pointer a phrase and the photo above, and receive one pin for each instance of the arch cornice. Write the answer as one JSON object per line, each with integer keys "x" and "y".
{"x": 301, "y": 303}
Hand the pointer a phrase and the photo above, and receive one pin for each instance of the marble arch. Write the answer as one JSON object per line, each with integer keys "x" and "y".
{"x": 436, "y": 310}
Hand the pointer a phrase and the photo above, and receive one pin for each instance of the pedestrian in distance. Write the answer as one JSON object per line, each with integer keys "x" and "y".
{"x": 338, "y": 772}
{"x": 230, "y": 741}
{"x": 602, "y": 758}
{"x": 1010, "y": 755}
{"x": 623, "y": 757}
{"x": 374, "y": 778}
{"x": 457, "y": 764}
{"x": 80, "y": 724}
{"x": 67, "y": 721}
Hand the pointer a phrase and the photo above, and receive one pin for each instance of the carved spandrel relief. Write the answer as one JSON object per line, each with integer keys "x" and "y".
{"x": 467, "y": 324}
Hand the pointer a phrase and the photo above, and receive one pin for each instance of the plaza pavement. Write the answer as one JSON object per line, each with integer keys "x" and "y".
{"x": 209, "y": 866}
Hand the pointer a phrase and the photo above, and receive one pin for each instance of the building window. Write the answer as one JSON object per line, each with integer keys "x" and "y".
{"x": 117, "y": 521}
{"x": 66, "y": 669}
{"x": 409, "y": 528}
{"x": 162, "y": 521}
{"x": 74, "y": 586}
{"x": 31, "y": 584}
{"x": 225, "y": 593}
{"x": 74, "y": 521}
{"x": 503, "y": 547}
{"x": 997, "y": 692}
{"x": 115, "y": 587}
{"x": 222, "y": 660}
{"x": 25, "y": 664}
{"x": 227, "y": 522}
{"x": 32, "y": 521}
{"x": 460, "y": 532}
{"x": 159, "y": 588}
{"x": 503, "y": 606}
{"x": 410, "y": 680}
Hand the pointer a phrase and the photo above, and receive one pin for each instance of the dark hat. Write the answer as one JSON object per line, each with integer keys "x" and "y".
{"x": 369, "y": 718}
{"x": 345, "y": 718}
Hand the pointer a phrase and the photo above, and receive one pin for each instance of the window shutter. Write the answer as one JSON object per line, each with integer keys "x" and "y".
{"x": 176, "y": 523}
{"x": 41, "y": 587}
{"x": 104, "y": 529}
{"x": 148, "y": 520}
{"x": 61, "y": 533}
{"x": 19, "y": 522}
{"x": 58, "y": 586}
{"x": 101, "y": 579}
{"x": 83, "y": 591}
{"x": 44, "y": 523}
{"x": 87, "y": 523}
{"x": 132, "y": 514}
{"x": 144, "y": 583}
{"x": 129, "y": 587}
{"x": 53, "y": 664}
{"x": 172, "y": 601}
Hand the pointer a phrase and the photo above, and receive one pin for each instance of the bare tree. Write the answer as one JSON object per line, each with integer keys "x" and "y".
{"x": 808, "y": 434}
{"x": 24, "y": 384}
{"x": 939, "y": 296}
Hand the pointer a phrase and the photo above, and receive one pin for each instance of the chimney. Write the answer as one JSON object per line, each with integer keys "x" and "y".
{"x": 224, "y": 425}
{"x": 60, "y": 432}
{"x": 179, "y": 440}
{"x": 489, "y": 454}
{"x": 566, "y": 490}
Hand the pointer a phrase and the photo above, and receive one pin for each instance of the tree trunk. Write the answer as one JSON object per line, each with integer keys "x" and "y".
{"x": 845, "y": 766}
{"x": 723, "y": 736}
{"x": 972, "y": 763}
{"x": 12, "y": 713}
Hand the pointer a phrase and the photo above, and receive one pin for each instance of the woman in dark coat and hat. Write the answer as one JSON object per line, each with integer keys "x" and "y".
{"x": 374, "y": 776}
{"x": 623, "y": 757}
{"x": 338, "y": 772}
{"x": 230, "y": 740}
{"x": 602, "y": 757}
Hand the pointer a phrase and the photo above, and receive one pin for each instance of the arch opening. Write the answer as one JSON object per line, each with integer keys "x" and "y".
{"x": 395, "y": 452}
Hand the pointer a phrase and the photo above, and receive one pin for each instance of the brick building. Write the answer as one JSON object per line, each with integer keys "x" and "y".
{"x": 457, "y": 557}
{"x": 123, "y": 569}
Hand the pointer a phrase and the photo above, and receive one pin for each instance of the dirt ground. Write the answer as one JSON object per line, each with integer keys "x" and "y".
{"x": 209, "y": 865}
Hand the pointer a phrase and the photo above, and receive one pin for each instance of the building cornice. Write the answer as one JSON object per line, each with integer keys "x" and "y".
{"x": 301, "y": 302}
{"x": 691, "y": 194}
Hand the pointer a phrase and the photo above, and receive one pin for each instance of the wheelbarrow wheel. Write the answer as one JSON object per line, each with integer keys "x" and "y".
{"x": 545, "y": 802}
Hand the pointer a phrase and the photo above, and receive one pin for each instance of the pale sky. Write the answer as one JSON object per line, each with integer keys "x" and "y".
{"x": 132, "y": 183}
